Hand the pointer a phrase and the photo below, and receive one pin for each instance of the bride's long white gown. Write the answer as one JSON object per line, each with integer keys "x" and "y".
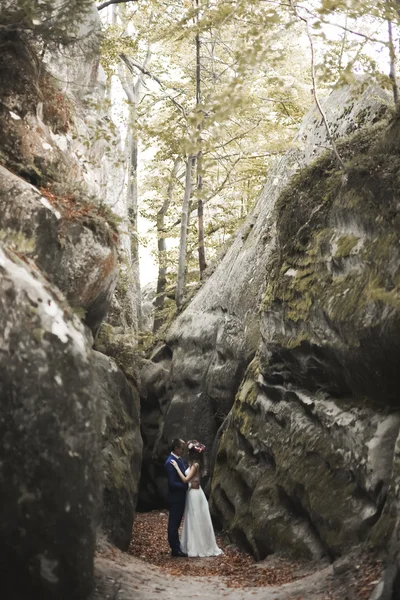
{"x": 198, "y": 537}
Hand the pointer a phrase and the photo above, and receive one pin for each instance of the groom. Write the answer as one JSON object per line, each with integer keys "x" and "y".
{"x": 176, "y": 496}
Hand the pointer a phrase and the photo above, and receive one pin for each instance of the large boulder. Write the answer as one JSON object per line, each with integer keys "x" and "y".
{"x": 122, "y": 449}
{"x": 74, "y": 245}
{"x": 61, "y": 166}
{"x": 50, "y": 452}
{"x": 55, "y": 135}
{"x": 213, "y": 341}
{"x": 308, "y": 461}
{"x": 46, "y": 90}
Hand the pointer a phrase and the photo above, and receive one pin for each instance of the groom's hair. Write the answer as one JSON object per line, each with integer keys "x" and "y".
{"x": 176, "y": 443}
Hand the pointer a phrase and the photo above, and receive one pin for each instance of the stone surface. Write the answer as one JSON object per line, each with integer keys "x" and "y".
{"x": 54, "y": 123}
{"x": 61, "y": 166}
{"x": 148, "y": 307}
{"x": 75, "y": 250}
{"x": 56, "y": 131}
{"x": 342, "y": 565}
{"x": 122, "y": 449}
{"x": 213, "y": 341}
{"x": 155, "y": 397}
{"x": 384, "y": 588}
{"x": 55, "y": 128}
{"x": 295, "y": 471}
{"x": 310, "y": 447}
{"x": 50, "y": 430}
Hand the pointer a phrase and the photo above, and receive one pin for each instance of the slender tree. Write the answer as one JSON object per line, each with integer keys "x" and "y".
{"x": 199, "y": 161}
{"x": 162, "y": 247}
{"x": 180, "y": 284}
{"x": 392, "y": 56}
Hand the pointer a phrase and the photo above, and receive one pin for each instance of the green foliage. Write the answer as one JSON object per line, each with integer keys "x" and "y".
{"x": 238, "y": 137}
{"x": 114, "y": 43}
{"x": 298, "y": 277}
{"x": 255, "y": 88}
{"x": 48, "y": 21}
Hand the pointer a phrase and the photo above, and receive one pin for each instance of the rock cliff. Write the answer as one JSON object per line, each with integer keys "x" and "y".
{"x": 311, "y": 437}
{"x": 50, "y": 431}
{"x": 69, "y": 418}
{"x": 122, "y": 448}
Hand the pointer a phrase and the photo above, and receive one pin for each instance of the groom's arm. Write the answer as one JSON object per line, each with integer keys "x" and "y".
{"x": 174, "y": 481}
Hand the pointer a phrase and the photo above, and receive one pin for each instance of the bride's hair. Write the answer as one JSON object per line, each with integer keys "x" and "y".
{"x": 197, "y": 455}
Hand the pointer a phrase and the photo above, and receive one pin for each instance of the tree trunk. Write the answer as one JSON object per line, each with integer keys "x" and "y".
{"x": 132, "y": 194}
{"x": 132, "y": 207}
{"x": 200, "y": 218}
{"x": 180, "y": 283}
{"x": 392, "y": 55}
{"x": 133, "y": 89}
{"x": 162, "y": 250}
{"x": 200, "y": 205}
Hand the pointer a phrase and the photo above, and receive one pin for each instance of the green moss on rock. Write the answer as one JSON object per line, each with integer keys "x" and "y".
{"x": 300, "y": 276}
{"x": 294, "y": 468}
{"x": 345, "y": 245}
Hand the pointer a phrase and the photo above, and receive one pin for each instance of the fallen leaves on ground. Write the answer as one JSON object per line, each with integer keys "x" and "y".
{"x": 149, "y": 543}
{"x": 239, "y": 570}
{"x": 371, "y": 570}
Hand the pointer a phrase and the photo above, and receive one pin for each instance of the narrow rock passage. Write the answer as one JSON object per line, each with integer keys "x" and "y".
{"x": 147, "y": 572}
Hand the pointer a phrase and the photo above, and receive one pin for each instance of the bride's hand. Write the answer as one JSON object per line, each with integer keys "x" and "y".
{"x": 174, "y": 464}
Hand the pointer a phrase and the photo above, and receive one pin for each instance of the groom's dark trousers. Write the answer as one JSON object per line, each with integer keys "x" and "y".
{"x": 176, "y": 498}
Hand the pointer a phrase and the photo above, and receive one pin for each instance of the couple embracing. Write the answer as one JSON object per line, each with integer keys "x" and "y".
{"x": 186, "y": 498}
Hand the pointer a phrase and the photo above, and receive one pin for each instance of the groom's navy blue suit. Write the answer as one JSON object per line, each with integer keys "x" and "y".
{"x": 176, "y": 497}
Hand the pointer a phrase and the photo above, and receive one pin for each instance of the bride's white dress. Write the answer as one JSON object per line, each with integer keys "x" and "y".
{"x": 198, "y": 537}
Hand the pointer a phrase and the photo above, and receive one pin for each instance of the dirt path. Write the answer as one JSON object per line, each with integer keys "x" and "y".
{"x": 149, "y": 573}
{"x": 135, "y": 580}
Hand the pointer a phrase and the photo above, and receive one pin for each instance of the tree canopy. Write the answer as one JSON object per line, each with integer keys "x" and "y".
{"x": 223, "y": 86}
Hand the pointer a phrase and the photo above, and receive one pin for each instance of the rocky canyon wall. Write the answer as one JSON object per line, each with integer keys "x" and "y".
{"x": 310, "y": 443}
{"x": 69, "y": 417}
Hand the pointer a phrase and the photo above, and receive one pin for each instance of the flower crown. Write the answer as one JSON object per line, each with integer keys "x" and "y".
{"x": 195, "y": 445}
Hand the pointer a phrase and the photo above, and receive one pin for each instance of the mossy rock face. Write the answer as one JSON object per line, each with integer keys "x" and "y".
{"x": 307, "y": 464}
{"x": 120, "y": 344}
{"x": 55, "y": 130}
{"x": 302, "y": 473}
{"x": 78, "y": 255}
{"x": 122, "y": 449}
{"x": 336, "y": 283}
{"x": 33, "y": 112}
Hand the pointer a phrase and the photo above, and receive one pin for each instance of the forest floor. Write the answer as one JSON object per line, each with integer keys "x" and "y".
{"x": 147, "y": 572}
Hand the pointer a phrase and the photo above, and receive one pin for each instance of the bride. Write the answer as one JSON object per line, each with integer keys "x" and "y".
{"x": 198, "y": 537}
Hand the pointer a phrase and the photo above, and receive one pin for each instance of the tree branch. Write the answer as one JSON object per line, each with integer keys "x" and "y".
{"x": 125, "y": 85}
{"x": 392, "y": 54}
{"x": 325, "y": 22}
{"x": 315, "y": 93}
{"x": 109, "y": 2}
{"x": 239, "y": 136}
{"x": 132, "y": 64}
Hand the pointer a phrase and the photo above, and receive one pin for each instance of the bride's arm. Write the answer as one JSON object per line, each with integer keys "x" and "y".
{"x": 189, "y": 476}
